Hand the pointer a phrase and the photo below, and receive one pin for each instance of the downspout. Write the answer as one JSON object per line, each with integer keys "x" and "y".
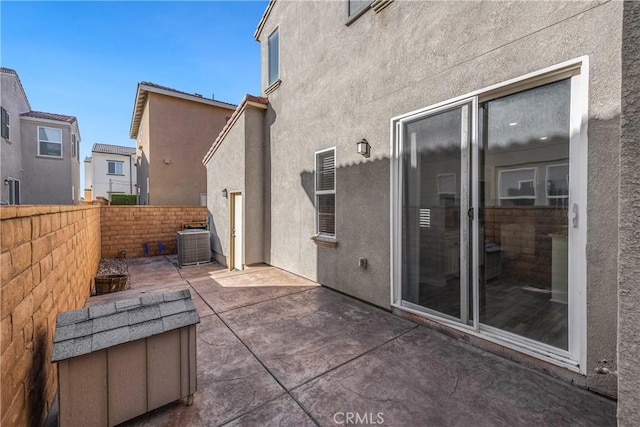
{"x": 130, "y": 177}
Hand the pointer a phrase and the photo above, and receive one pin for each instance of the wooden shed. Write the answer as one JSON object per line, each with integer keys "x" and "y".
{"x": 119, "y": 360}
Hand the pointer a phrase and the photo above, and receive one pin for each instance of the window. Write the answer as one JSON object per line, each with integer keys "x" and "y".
{"x": 558, "y": 184}
{"x": 274, "y": 56}
{"x": 517, "y": 187}
{"x": 115, "y": 168}
{"x": 73, "y": 144}
{"x": 326, "y": 192}
{"x": 355, "y": 8}
{"x": 49, "y": 142}
{"x": 5, "y": 123}
{"x": 14, "y": 191}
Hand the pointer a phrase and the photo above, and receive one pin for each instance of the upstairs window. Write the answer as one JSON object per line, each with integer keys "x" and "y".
{"x": 115, "y": 168}
{"x": 49, "y": 142}
{"x": 274, "y": 56}
{"x": 355, "y": 8}
{"x": 5, "y": 123}
{"x": 326, "y": 192}
{"x": 73, "y": 144}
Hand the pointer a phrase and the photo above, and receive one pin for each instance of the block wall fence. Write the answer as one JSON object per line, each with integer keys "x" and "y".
{"x": 130, "y": 227}
{"x": 49, "y": 257}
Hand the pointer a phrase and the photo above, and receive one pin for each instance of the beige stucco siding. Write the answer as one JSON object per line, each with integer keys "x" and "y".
{"x": 181, "y": 132}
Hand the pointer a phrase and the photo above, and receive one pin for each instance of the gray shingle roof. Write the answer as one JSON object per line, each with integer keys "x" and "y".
{"x": 49, "y": 116}
{"x": 97, "y": 327}
{"x": 113, "y": 149}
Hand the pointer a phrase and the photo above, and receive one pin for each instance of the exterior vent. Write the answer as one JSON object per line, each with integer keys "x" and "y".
{"x": 194, "y": 247}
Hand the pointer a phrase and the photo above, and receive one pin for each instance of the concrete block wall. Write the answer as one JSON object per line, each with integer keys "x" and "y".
{"x": 129, "y": 227}
{"x": 49, "y": 255}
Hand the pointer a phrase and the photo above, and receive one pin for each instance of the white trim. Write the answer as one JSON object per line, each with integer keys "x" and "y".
{"x": 61, "y": 156}
{"x": 10, "y": 178}
{"x": 277, "y": 77}
{"x": 573, "y": 64}
{"x": 534, "y": 180}
{"x": 325, "y": 192}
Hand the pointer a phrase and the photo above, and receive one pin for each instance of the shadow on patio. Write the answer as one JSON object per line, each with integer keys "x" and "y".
{"x": 277, "y": 349}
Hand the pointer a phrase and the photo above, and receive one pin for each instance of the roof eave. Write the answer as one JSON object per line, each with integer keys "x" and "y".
{"x": 136, "y": 116}
{"x": 263, "y": 20}
{"x": 249, "y": 100}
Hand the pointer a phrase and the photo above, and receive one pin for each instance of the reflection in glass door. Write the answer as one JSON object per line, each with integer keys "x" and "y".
{"x": 435, "y": 196}
{"x": 509, "y": 264}
{"x": 524, "y": 187}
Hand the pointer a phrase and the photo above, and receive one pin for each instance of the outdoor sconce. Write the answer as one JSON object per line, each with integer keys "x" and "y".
{"x": 6, "y": 182}
{"x": 363, "y": 147}
{"x": 225, "y": 193}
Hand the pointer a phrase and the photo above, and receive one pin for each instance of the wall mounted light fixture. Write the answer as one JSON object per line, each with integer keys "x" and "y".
{"x": 363, "y": 148}
{"x": 225, "y": 193}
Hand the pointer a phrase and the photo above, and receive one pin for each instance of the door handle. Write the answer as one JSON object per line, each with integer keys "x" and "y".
{"x": 470, "y": 213}
{"x": 574, "y": 215}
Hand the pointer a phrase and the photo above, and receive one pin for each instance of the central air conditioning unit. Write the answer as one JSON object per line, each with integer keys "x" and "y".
{"x": 194, "y": 247}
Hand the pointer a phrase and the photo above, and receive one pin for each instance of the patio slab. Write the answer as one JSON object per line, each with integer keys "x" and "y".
{"x": 299, "y": 354}
{"x": 257, "y": 289}
{"x": 427, "y": 378}
{"x": 303, "y": 335}
{"x": 231, "y": 382}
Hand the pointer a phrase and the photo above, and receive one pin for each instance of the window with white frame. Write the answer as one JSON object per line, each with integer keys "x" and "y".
{"x": 355, "y": 8}
{"x": 115, "y": 167}
{"x": 517, "y": 186}
{"x": 273, "y": 46}
{"x": 14, "y": 191}
{"x": 326, "y": 192}
{"x": 73, "y": 144}
{"x": 49, "y": 142}
{"x": 6, "y": 126}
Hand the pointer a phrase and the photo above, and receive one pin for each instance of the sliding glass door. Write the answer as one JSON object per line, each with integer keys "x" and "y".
{"x": 435, "y": 202}
{"x": 489, "y": 192}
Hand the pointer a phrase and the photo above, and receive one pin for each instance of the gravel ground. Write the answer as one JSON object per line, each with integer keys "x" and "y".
{"x": 110, "y": 266}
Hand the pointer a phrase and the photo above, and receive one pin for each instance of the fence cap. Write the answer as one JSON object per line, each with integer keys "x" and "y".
{"x": 97, "y": 327}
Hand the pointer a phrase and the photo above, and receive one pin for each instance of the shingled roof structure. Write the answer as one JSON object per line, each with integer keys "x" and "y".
{"x": 113, "y": 149}
{"x": 49, "y": 116}
{"x": 98, "y": 327}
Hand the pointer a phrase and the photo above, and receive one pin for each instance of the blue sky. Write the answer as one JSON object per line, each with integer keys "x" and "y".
{"x": 85, "y": 58}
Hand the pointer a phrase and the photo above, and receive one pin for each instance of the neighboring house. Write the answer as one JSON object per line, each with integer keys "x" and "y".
{"x": 40, "y": 151}
{"x": 455, "y": 162}
{"x": 111, "y": 169}
{"x": 173, "y": 130}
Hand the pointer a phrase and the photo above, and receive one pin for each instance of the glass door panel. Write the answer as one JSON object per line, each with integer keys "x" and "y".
{"x": 524, "y": 200}
{"x": 435, "y": 195}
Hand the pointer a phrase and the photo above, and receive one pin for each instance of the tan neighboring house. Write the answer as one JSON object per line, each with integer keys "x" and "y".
{"x": 173, "y": 131}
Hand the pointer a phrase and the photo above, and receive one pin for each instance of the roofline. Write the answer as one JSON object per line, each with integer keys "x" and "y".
{"x": 142, "y": 95}
{"x": 248, "y": 101}
{"x": 52, "y": 121}
{"x": 263, "y": 20}
{"x": 15, "y": 73}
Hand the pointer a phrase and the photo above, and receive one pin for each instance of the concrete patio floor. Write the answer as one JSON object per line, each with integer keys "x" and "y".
{"x": 276, "y": 349}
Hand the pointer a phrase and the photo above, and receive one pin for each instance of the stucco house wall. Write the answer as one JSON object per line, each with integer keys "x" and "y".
{"x": 629, "y": 220}
{"x": 47, "y": 180}
{"x": 125, "y": 183}
{"x": 242, "y": 145}
{"x": 173, "y": 131}
{"x": 42, "y": 180}
{"x": 12, "y": 99}
{"x": 329, "y": 97}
